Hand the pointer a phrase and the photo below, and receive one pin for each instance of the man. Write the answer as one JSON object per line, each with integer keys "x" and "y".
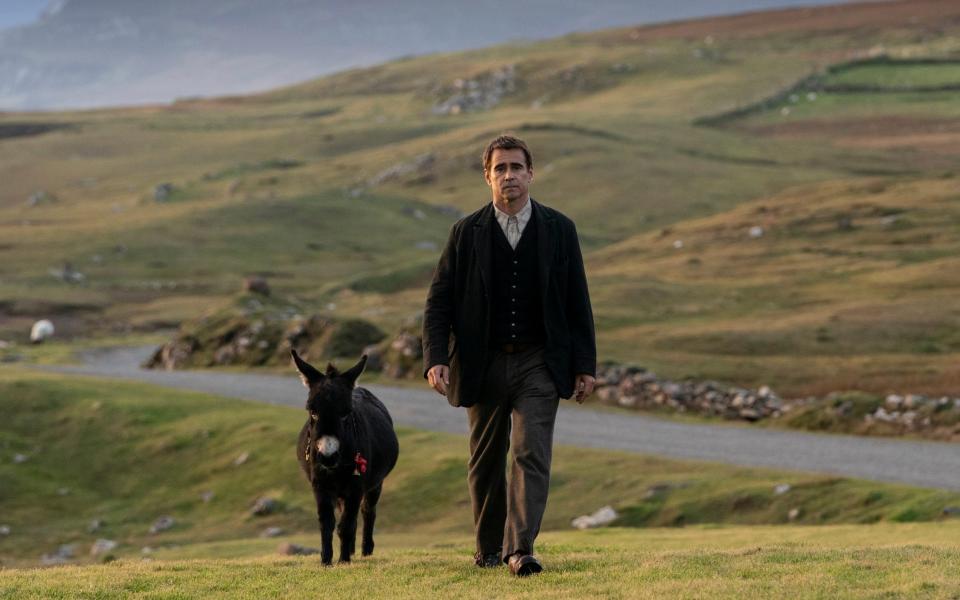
{"x": 507, "y": 331}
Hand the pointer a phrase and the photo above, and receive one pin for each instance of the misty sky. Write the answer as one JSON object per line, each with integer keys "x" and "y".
{"x": 19, "y": 12}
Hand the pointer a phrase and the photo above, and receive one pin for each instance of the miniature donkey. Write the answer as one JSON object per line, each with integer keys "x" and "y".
{"x": 346, "y": 448}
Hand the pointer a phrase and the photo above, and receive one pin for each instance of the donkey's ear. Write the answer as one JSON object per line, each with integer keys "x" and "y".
{"x": 353, "y": 373}
{"x": 308, "y": 375}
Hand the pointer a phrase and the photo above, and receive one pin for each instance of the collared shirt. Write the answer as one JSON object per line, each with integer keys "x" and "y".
{"x": 522, "y": 218}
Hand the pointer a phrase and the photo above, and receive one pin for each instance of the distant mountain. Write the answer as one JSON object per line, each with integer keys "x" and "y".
{"x": 84, "y": 53}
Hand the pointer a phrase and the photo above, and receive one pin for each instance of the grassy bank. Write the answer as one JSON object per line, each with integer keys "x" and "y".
{"x": 127, "y": 453}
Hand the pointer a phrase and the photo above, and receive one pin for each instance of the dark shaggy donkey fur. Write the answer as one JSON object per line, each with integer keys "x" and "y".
{"x": 346, "y": 448}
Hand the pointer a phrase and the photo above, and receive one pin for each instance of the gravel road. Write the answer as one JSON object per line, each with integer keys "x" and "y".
{"x": 927, "y": 464}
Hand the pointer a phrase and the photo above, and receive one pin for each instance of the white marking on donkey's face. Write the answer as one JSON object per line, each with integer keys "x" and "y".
{"x": 328, "y": 445}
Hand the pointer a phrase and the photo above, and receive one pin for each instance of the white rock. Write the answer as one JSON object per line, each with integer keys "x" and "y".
{"x": 4, "y": 530}
{"x": 241, "y": 459}
{"x": 162, "y": 524}
{"x": 102, "y": 546}
{"x": 678, "y": 244}
{"x": 781, "y": 489}
{"x": 19, "y": 458}
{"x": 41, "y": 330}
{"x": 756, "y": 232}
{"x": 602, "y": 516}
{"x": 272, "y": 532}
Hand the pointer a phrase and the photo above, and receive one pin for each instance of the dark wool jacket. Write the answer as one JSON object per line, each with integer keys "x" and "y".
{"x": 456, "y": 322}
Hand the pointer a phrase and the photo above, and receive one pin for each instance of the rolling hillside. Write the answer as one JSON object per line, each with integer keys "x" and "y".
{"x": 667, "y": 144}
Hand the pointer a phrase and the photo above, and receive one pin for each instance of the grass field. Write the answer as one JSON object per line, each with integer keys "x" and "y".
{"x": 893, "y": 561}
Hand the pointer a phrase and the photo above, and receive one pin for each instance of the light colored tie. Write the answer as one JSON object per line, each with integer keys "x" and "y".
{"x": 513, "y": 231}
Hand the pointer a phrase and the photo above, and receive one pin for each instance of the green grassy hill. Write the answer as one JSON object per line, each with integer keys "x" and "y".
{"x": 341, "y": 191}
{"x": 128, "y": 453}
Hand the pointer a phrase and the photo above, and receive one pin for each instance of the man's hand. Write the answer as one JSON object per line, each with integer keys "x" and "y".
{"x": 439, "y": 378}
{"x": 583, "y": 386}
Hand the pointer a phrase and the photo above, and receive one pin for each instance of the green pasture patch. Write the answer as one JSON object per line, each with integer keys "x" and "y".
{"x": 897, "y": 75}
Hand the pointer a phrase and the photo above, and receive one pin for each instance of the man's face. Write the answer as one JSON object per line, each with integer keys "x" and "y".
{"x": 508, "y": 175}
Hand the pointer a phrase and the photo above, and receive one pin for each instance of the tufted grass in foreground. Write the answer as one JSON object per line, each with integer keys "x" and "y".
{"x": 847, "y": 561}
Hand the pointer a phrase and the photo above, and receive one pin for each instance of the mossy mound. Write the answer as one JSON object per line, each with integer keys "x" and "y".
{"x": 256, "y": 330}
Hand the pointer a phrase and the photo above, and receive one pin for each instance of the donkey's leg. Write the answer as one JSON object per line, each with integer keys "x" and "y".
{"x": 369, "y": 510}
{"x": 327, "y": 522}
{"x": 348, "y": 526}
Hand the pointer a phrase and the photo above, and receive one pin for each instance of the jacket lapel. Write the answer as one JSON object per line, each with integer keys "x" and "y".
{"x": 545, "y": 246}
{"x": 482, "y": 242}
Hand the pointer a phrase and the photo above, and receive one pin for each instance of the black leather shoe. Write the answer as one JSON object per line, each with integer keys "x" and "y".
{"x": 522, "y": 565}
{"x": 487, "y": 561}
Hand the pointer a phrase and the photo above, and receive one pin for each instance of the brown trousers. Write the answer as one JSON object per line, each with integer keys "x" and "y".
{"x": 517, "y": 388}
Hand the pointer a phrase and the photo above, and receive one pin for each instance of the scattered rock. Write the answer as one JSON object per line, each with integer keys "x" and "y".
{"x": 207, "y": 496}
{"x": 601, "y": 517}
{"x": 102, "y": 546}
{"x": 256, "y": 285}
{"x": 677, "y": 244}
{"x": 480, "y": 93}
{"x": 656, "y": 490}
{"x": 845, "y": 223}
{"x": 162, "y": 192}
{"x": 4, "y": 530}
{"x": 41, "y": 197}
{"x": 95, "y": 525}
{"x": 19, "y": 458}
{"x": 781, "y": 489}
{"x": 401, "y": 357}
{"x": 289, "y": 549}
{"x": 63, "y": 555}
{"x": 241, "y": 459}
{"x": 272, "y": 532}
{"x": 63, "y": 491}
{"x": 162, "y": 524}
{"x": 264, "y": 506}
{"x": 420, "y": 168}
{"x": 756, "y": 232}
{"x": 635, "y": 387}
{"x": 256, "y": 330}
{"x": 41, "y": 331}
{"x": 68, "y": 274}
{"x": 794, "y": 514}
{"x": 146, "y": 550}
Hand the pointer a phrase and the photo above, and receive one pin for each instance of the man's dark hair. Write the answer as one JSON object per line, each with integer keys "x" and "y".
{"x": 506, "y": 142}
